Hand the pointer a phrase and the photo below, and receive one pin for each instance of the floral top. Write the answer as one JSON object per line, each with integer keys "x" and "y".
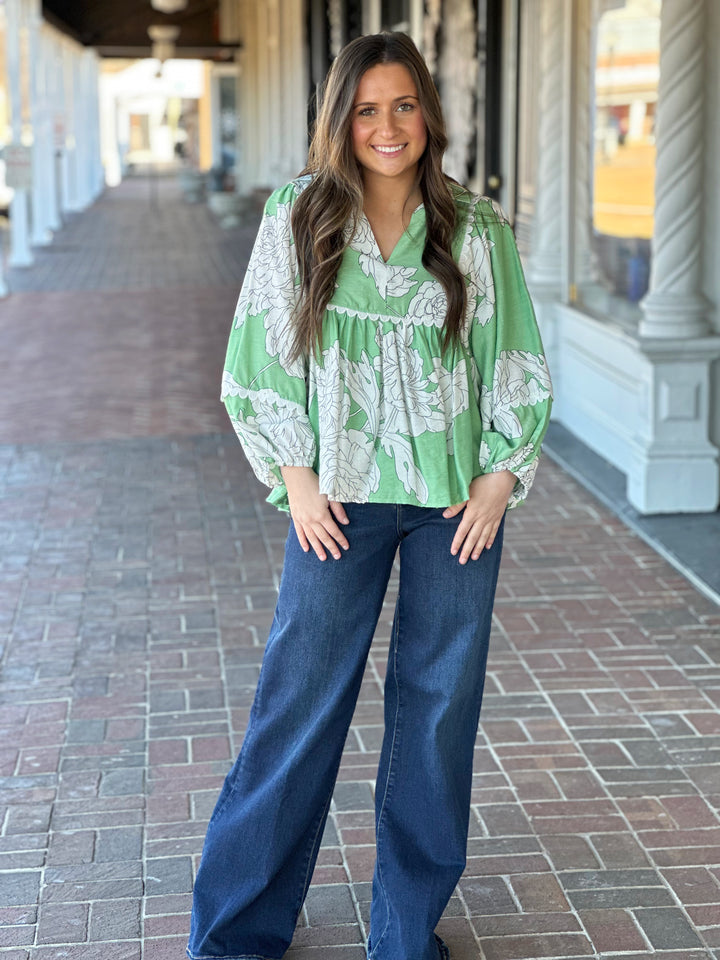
{"x": 382, "y": 414}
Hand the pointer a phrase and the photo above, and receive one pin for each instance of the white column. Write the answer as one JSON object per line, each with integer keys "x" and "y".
{"x": 544, "y": 268}
{"x": 95, "y": 158}
{"x": 584, "y": 266}
{"x": 277, "y": 130}
{"x": 20, "y": 252}
{"x": 41, "y": 234}
{"x": 293, "y": 89}
{"x": 109, "y": 131}
{"x": 73, "y": 113}
{"x": 82, "y": 129}
{"x": 372, "y": 16}
{"x": 89, "y": 143}
{"x": 51, "y": 55}
{"x": 253, "y": 98}
{"x": 675, "y": 306}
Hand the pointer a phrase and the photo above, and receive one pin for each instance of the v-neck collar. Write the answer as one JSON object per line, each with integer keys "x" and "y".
{"x": 407, "y": 232}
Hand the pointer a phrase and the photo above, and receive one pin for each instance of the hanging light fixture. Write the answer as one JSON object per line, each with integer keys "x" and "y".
{"x": 168, "y": 6}
{"x": 163, "y": 38}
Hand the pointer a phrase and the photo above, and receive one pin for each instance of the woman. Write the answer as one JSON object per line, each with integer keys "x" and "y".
{"x": 386, "y": 379}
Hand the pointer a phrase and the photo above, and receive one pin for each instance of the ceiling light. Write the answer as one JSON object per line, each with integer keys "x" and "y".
{"x": 163, "y": 38}
{"x": 168, "y": 6}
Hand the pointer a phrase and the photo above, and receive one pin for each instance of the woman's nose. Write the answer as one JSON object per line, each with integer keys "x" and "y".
{"x": 388, "y": 124}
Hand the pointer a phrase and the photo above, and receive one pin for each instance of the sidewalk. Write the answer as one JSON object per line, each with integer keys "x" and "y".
{"x": 137, "y": 582}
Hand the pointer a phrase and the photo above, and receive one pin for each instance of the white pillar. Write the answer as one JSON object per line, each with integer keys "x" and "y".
{"x": 544, "y": 268}
{"x": 41, "y": 234}
{"x": 274, "y": 163}
{"x": 99, "y": 173}
{"x": 92, "y": 120}
{"x": 64, "y": 106}
{"x": 109, "y": 131}
{"x": 293, "y": 90}
{"x": 20, "y": 252}
{"x": 675, "y": 466}
{"x": 583, "y": 260}
{"x": 252, "y": 118}
{"x": 71, "y": 90}
{"x": 51, "y": 55}
{"x": 675, "y": 305}
{"x": 82, "y": 197}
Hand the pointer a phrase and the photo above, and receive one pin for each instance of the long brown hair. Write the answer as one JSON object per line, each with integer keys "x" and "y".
{"x": 334, "y": 196}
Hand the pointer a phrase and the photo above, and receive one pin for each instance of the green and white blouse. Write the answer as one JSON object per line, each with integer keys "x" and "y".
{"x": 382, "y": 414}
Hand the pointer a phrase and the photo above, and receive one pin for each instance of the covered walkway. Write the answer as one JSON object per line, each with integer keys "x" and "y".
{"x": 137, "y": 581}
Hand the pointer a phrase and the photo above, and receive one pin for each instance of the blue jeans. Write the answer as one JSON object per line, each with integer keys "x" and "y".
{"x": 264, "y": 835}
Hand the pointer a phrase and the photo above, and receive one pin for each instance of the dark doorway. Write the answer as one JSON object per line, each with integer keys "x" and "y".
{"x": 493, "y": 174}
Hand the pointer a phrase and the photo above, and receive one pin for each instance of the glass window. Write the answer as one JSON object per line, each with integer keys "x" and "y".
{"x": 626, "y": 67}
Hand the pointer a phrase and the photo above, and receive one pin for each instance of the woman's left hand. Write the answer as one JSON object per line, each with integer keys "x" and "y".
{"x": 489, "y": 495}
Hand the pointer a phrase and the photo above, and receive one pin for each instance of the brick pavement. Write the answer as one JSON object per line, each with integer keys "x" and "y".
{"x": 138, "y": 576}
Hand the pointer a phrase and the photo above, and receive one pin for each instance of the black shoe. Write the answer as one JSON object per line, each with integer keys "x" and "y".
{"x": 442, "y": 947}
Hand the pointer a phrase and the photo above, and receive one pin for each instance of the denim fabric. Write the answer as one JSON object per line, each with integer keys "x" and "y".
{"x": 264, "y": 835}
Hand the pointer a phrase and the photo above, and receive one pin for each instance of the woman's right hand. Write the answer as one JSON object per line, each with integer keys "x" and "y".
{"x": 313, "y": 515}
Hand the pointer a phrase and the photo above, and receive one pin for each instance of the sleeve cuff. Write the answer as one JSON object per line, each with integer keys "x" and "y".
{"x": 523, "y": 463}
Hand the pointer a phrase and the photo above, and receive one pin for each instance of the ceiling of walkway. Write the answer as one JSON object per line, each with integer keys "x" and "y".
{"x": 119, "y": 28}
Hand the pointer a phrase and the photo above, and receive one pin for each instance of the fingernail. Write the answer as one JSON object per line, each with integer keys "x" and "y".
{"x": 346, "y": 546}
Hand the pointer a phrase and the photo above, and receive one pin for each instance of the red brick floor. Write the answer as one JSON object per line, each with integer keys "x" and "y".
{"x": 137, "y": 583}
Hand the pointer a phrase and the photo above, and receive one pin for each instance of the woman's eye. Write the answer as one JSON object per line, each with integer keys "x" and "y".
{"x": 365, "y": 112}
{"x": 406, "y": 107}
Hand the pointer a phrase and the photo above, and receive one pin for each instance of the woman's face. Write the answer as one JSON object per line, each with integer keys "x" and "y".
{"x": 388, "y": 129}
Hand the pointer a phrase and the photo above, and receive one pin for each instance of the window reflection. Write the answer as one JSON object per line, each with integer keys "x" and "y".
{"x": 626, "y": 73}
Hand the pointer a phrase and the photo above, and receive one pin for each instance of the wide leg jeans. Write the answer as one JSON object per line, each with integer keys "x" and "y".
{"x": 263, "y": 838}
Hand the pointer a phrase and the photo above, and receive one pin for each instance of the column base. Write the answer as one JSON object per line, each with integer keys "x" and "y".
{"x": 674, "y": 315}
{"x": 674, "y": 466}
{"x": 674, "y": 483}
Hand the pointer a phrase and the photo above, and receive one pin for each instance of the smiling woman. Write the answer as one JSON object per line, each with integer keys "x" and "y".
{"x": 386, "y": 378}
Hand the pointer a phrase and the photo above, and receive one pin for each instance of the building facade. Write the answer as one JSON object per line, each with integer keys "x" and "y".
{"x": 621, "y": 196}
{"x": 595, "y": 123}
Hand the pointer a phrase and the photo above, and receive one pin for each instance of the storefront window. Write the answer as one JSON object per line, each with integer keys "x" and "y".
{"x": 625, "y": 68}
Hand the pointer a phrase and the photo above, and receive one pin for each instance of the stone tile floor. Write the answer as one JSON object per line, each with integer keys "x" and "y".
{"x": 137, "y": 579}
